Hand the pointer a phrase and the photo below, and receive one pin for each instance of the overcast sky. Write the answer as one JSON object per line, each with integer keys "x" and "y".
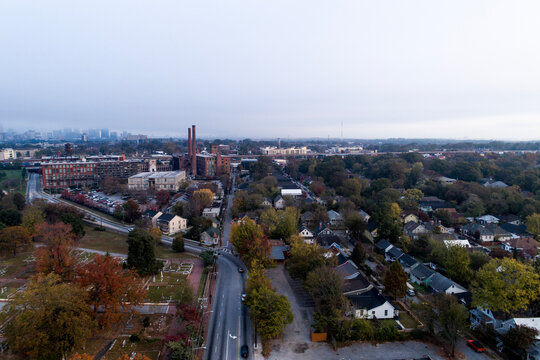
{"x": 262, "y": 69}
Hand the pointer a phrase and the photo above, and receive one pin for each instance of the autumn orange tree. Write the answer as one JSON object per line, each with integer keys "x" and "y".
{"x": 83, "y": 356}
{"x": 249, "y": 240}
{"x": 111, "y": 288}
{"x": 13, "y": 238}
{"x": 56, "y": 256}
{"x": 200, "y": 199}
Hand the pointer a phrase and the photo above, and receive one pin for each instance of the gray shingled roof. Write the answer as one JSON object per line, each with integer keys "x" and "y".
{"x": 422, "y": 272}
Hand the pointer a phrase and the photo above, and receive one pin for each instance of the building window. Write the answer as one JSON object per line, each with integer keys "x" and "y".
{"x": 385, "y": 312}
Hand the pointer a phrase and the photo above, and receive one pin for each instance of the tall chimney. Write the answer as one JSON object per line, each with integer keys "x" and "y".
{"x": 194, "y": 151}
{"x": 189, "y": 142}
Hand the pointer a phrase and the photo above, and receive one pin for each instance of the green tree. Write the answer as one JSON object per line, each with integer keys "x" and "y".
{"x": 207, "y": 256}
{"x": 270, "y": 311}
{"x": 19, "y": 201}
{"x": 395, "y": 280}
{"x": 48, "y": 319}
{"x": 32, "y": 216}
{"x": 356, "y": 225}
{"x": 533, "y": 224}
{"x": 141, "y": 252}
{"x": 249, "y": 240}
{"x": 387, "y": 216}
{"x": 358, "y": 254}
{"x": 456, "y": 262}
{"x": 178, "y": 243}
{"x": 453, "y": 318}
{"x": 478, "y": 259}
{"x": 304, "y": 258}
{"x": 75, "y": 220}
{"x": 505, "y": 285}
{"x": 325, "y": 285}
{"x": 13, "y": 238}
{"x": 520, "y": 338}
{"x": 280, "y": 224}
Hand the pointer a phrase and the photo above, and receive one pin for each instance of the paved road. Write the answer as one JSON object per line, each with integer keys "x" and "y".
{"x": 33, "y": 192}
{"x": 229, "y": 326}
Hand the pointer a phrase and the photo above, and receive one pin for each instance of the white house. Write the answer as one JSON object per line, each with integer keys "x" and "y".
{"x": 335, "y": 218}
{"x": 458, "y": 242}
{"x": 306, "y": 234}
{"x": 279, "y": 202}
{"x": 371, "y": 304}
{"x": 487, "y": 219}
{"x": 171, "y": 224}
{"x": 212, "y": 212}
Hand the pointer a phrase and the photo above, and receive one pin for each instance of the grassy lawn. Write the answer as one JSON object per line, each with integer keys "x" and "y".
{"x": 103, "y": 240}
{"x": 10, "y": 176}
{"x": 407, "y": 320}
{"x": 162, "y": 293}
{"x": 165, "y": 252}
{"x": 202, "y": 282}
{"x": 14, "y": 264}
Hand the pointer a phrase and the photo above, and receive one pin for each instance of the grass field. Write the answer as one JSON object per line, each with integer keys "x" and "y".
{"x": 117, "y": 243}
{"x": 13, "y": 176}
{"x": 103, "y": 241}
{"x": 14, "y": 264}
{"x": 407, "y": 320}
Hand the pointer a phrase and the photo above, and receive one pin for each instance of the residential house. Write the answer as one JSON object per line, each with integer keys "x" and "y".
{"x": 515, "y": 230}
{"x": 266, "y": 202}
{"x": 441, "y": 284}
{"x": 279, "y": 202}
{"x": 511, "y": 219}
{"x": 527, "y": 246}
{"x": 410, "y": 216}
{"x": 533, "y": 352}
{"x": 358, "y": 285}
{"x": 457, "y": 242}
{"x": 414, "y": 229}
{"x": 393, "y": 254}
{"x": 278, "y": 250}
{"x": 383, "y": 246}
{"x": 478, "y": 232}
{"x": 171, "y": 224}
{"x": 210, "y": 237}
{"x": 482, "y": 317}
{"x": 306, "y": 234}
{"x": 499, "y": 234}
{"x": 495, "y": 185}
{"x": 372, "y": 304}
{"x": 152, "y": 215}
{"x": 308, "y": 219}
{"x": 347, "y": 270}
{"x": 487, "y": 219}
{"x": 335, "y": 218}
{"x": 365, "y": 216}
{"x": 420, "y": 274}
{"x": 445, "y": 180}
{"x": 407, "y": 262}
{"x": 212, "y": 212}
{"x": 431, "y": 203}
{"x": 456, "y": 217}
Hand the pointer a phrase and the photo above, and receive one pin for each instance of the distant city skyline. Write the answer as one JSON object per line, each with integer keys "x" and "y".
{"x": 262, "y": 70}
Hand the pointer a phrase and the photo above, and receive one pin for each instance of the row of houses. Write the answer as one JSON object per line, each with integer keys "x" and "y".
{"x": 421, "y": 274}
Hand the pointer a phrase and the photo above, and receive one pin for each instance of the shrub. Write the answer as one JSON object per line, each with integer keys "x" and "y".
{"x": 361, "y": 329}
{"x": 134, "y": 338}
{"x": 386, "y": 332}
{"x": 418, "y": 334}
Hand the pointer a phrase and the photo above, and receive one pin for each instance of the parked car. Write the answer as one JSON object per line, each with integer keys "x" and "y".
{"x": 410, "y": 292}
{"x": 243, "y": 297}
{"x": 476, "y": 345}
{"x": 240, "y": 270}
{"x": 244, "y": 351}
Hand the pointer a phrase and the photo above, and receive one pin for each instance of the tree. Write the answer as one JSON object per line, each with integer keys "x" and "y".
{"x": 388, "y": 218}
{"x": 13, "y": 238}
{"x": 200, "y": 199}
{"x": 56, "y": 256}
{"x": 111, "y": 185}
{"x": 478, "y": 259}
{"x": 325, "y": 285}
{"x": 533, "y": 224}
{"x": 356, "y": 225}
{"x": 304, "y": 258}
{"x": 421, "y": 246}
{"x": 163, "y": 197}
{"x": 131, "y": 209}
{"x": 156, "y": 235}
{"x": 453, "y": 318}
{"x": 32, "y": 216}
{"x": 519, "y": 338}
{"x": 505, "y": 285}
{"x": 207, "y": 256}
{"x": 141, "y": 252}
{"x": 19, "y": 201}
{"x": 75, "y": 220}
{"x": 456, "y": 262}
{"x": 249, "y": 240}
{"x": 358, "y": 254}
{"x": 178, "y": 243}
{"x": 270, "y": 311}
{"x": 445, "y": 217}
{"x": 78, "y": 356}
{"x": 48, "y": 319}
{"x": 395, "y": 280}
{"x": 280, "y": 224}
{"x": 111, "y": 289}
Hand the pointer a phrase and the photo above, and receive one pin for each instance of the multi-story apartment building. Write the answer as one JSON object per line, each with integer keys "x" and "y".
{"x": 61, "y": 175}
{"x": 284, "y": 151}
{"x": 160, "y": 180}
{"x": 210, "y": 166}
{"x": 8, "y": 154}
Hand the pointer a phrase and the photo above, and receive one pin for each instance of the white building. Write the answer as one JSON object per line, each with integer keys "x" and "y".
{"x": 159, "y": 180}
{"x": 272, "y": 150}
{"x": 8, "y": 154}
{"x": 371, "y": 304}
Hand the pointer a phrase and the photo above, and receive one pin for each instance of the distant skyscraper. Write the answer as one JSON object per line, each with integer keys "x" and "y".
{"x": 104, "y": 133}
{"x": 94, "y": 134}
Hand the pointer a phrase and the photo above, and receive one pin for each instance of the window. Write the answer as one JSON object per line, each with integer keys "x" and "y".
{"x": 385, "y": 312}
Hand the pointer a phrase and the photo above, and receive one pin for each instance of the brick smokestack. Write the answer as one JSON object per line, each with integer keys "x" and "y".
{"x": 194, "y": 151}
{"x": 189, "y": 142}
